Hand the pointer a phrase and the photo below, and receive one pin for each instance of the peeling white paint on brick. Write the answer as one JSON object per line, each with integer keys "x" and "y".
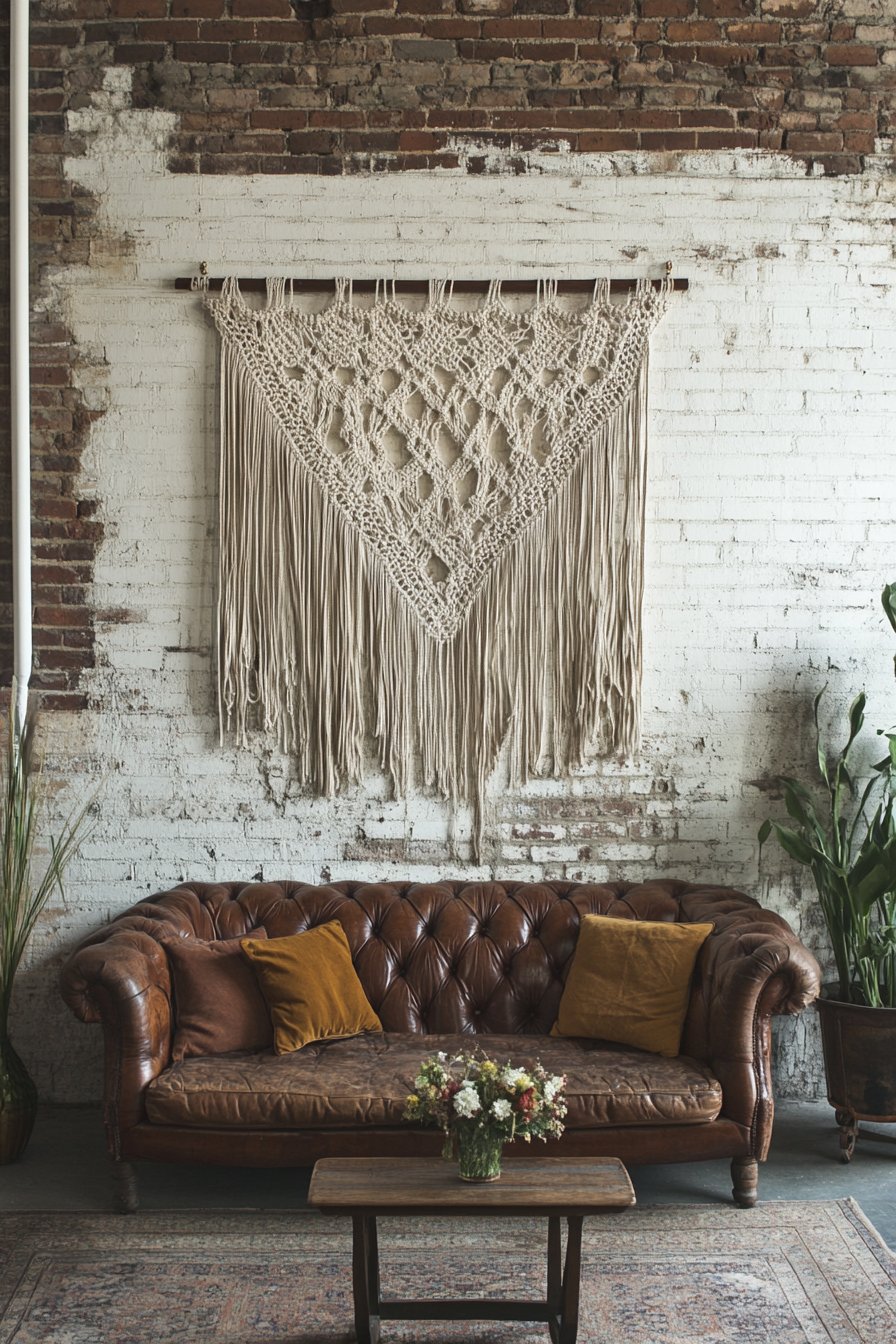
{"x": 555, "y": 158}
{"x": 117, "y": 132}
{"x": 770, "y": 525}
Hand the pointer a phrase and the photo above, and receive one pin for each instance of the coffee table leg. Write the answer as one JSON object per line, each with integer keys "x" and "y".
{"x": 365, "y": 1285}
{"x": 567, "y": 1326}
{"x": 373, "y": 1268}
{"x": 555, "y": 1279}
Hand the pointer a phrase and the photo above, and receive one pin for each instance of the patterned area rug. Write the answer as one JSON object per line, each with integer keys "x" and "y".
{"x": 782, "y": 1273}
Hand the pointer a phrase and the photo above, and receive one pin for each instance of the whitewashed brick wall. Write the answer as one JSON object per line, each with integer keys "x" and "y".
{"x": 770, "y": 526}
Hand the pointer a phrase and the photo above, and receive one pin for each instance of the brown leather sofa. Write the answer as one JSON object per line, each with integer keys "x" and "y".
{"x": 439, "y": 962}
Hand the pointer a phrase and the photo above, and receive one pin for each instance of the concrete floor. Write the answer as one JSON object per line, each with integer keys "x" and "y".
{"x": 65, "y": 1167}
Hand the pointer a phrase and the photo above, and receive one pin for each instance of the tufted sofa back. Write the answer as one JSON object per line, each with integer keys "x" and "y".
{"x": 442, "y": 957}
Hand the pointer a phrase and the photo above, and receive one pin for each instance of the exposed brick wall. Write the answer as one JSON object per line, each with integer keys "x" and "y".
{"x": 64, "y": 534}
{"x": 335, "y": 86}
{"x": 265, "y": 86}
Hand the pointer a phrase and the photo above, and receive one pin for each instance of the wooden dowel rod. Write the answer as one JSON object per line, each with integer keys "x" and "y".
{"x": 254, "y": 285}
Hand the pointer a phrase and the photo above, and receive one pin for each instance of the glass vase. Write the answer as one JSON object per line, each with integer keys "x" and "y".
{"x": 18, "y": 1103}
{"x": 478, "y": 1153}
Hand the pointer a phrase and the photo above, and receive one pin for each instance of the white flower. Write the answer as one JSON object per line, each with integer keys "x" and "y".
{"x": 501, "y": 1108}
{"x": 510, "y": 1077}
{"x": 442, "y": 1057}
{"x": 466, "y": 1102}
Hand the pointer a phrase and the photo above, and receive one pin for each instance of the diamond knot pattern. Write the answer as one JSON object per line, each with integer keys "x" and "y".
{"x": 440, "y": 434}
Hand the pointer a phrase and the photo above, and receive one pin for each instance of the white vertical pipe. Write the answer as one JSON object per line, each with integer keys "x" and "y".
{"x": 20, "y": 352}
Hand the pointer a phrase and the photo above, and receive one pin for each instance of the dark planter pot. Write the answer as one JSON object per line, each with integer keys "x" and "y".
{"x": 18, "y": 1104}
{"x": 860, "y": 1067}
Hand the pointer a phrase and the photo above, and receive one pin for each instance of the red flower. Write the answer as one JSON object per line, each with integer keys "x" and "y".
{"x": 525, "y": 1101}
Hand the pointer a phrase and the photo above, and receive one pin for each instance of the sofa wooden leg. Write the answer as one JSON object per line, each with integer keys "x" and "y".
{"x": 127, "y": 1194}
{"x": 849, "y": 1133}
{"x": 745, "y": 1180}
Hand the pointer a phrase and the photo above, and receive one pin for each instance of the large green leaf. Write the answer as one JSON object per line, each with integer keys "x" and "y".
{"x": 891, "y": 739}
{"x": 888, "y": 598}
{"x": 882, "y": 828}
{"x": 798, "y": 848}
{"x": 801, "y": 806}
{"x": 860, "y": 811}
{"x": 822, "y": 758}
{"x": 844, "y": 786}
{"x": 868, "y": 891}
{"x": 856, "y": 719}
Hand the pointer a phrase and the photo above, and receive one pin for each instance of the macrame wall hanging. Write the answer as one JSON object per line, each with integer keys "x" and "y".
{"x": 431, "y": 532}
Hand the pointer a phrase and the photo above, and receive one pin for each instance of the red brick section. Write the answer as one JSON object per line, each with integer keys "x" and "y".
{"x": 265, "y": 86}
{"x": 339, "y": 86}
{"x": 65, "y": 536}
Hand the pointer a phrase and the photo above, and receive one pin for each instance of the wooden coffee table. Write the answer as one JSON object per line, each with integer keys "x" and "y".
{"x": 549, "y": 1187}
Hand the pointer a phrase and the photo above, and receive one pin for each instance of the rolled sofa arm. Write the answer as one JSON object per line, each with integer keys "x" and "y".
{"x": 119, "y": 977}
{"x": 751, "y": 969}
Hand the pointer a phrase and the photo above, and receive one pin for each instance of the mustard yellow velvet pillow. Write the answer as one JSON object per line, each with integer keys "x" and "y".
{"x": 629, "y": 982}
{"x": 311, "y": 987}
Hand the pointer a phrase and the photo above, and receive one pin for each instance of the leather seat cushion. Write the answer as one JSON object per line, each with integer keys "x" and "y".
{"x": 364, "y": 1080}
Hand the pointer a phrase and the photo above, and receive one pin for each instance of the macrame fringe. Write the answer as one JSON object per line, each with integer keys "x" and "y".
{"x": 319, "y": 649}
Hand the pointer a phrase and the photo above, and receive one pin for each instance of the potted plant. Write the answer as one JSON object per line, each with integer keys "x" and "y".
{"x": 851, "y": 853}
{"x": 22, "y": 898}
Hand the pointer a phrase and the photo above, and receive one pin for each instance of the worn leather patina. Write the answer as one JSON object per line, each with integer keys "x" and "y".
{"x": 446, "y": 958}
{"x": 365, "y": 1080}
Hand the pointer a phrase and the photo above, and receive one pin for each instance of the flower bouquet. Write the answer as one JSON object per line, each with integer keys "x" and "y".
{"x": 482, "y": 1105}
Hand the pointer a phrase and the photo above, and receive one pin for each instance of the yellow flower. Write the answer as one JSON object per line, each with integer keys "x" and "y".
{"x": 488, "y": 1068}
{"x": 413, "y": 1101}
